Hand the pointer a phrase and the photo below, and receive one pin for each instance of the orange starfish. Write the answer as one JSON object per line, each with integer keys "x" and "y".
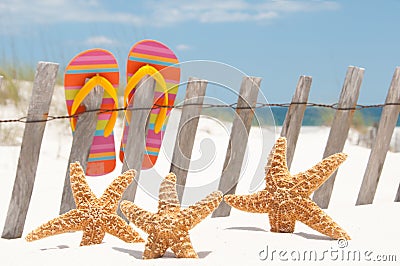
{"x": 94, "y": 216}
{"x": 169, "y": 227}
{"x": 286, "y": 197}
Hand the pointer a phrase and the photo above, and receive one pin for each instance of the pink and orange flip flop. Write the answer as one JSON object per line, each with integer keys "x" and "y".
{"x": 85, "y": 71}
{"x": 99, "y": 67}
{"x": 150, "y": 57}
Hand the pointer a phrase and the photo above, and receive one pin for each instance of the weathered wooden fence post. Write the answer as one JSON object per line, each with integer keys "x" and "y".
{"x": 238, "y": 141}
{"x": 187, "y": 129}
{"x": 340, "y": 128}
{"x": 136, "y": 142}
{"x": 43, "y": 87}
{"x": 1, "y": 81}
{"x": 397, "y": 198}
{"x": 81, "y": 143}
{"x": 294, "y": 116}
{"x": 387, "y": 123}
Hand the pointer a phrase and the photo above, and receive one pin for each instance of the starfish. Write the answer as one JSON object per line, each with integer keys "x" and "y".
{"x": 169, "y": 227}
{"x": 286, "y": 197}
{"x": 94, "y": 216}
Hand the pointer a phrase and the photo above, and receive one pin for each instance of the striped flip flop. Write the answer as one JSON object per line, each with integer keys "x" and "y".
{"x": 149, "y": 57}
{"x": 84, "y": 72}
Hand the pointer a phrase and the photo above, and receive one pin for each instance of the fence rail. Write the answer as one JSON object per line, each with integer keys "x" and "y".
{"x": 37, "y": 117}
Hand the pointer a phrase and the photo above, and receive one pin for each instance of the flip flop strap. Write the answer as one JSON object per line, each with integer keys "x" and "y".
{"x": 134, "y": 81}
{"x": 85, "y": 90}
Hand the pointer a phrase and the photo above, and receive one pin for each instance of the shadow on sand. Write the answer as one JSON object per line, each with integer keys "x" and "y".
{"x": 138, "y": 254}
{"x": 57, "y": 247}
{"x": 246, "y": 228}
{"x": 312, "y": 236}
{"x": 302, "y": 234}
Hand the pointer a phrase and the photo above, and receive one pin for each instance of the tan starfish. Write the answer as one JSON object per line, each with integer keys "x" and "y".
{"x": 169, "y": 227}
{"x": 286, "y": 197}
{"x": 94, "y": 216}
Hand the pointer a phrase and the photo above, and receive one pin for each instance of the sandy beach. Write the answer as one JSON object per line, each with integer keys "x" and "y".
{"x": 240, "y": 239}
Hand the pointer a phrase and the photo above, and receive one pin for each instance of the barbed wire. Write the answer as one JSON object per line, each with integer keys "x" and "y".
{"x": 234, "y": 106}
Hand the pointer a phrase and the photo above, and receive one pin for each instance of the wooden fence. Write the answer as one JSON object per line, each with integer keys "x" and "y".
{"x": 43, "y": 87}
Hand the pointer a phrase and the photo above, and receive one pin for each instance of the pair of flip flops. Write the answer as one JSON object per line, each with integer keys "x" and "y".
{"x": 99, "y": 67}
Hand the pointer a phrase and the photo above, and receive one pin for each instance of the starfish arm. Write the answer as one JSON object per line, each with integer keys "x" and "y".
{"x": 112, "y": 195}
{"x": 311, "y": 214}
{"x": 155, "y": 246}
{"x": 116, "y": 226}
{"x": 93, "y": 233}
{"x": 281, "y": 223}
{"x": 182, "y": 246}
{"x": 194, "y": 214}
{"x": 276, "y": 167}
{"x": 310, "y": 180}
{"x": 67, "y": 222}
{"x": 138, "y": 216}
{"x": 80, "y": 188}
{"x": 168, "y": 197}
{"x": 249, "y": 203}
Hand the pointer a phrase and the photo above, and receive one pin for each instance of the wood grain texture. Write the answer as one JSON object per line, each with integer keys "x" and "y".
{"x": 238, "y": 141}
{"x": 81, "y": 143}
{"x": 340, "y": 128}
{"x": 294, "y": 116}
{"x": 387, "y": 123}
{"x": 187, "y": 129}
{"x": 136, "y": 142}
{"x": 42, "y": 92}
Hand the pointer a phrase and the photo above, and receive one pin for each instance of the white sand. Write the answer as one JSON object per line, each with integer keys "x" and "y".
{"x": 240, "y": 239}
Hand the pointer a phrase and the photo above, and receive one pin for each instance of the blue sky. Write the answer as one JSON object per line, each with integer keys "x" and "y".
{"x": 276, "y": 40}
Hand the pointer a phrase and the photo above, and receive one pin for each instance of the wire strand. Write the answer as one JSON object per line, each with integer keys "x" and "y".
{"x": 234, "y": 106}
